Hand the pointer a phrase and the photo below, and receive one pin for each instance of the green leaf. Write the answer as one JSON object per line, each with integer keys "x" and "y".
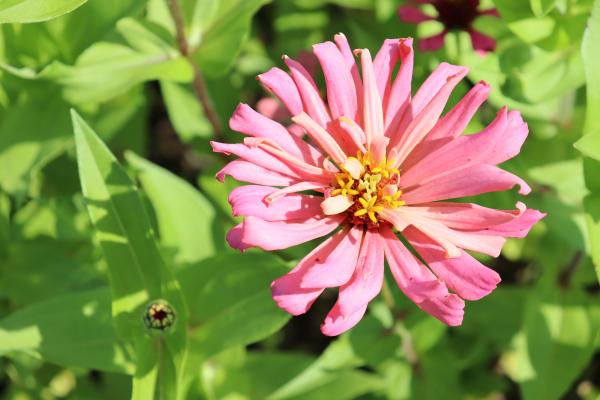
{"x": 185, "y": 111}
{"x": 71, "y": 330}
{"x": 215, "y": 30}
{"x": 559, "y": 329}
{"x": 137, "y": 271}
{"x": 107, "y": 70}
{"x": 186, "y": 220}
{"x": 27, "y": 144}
{"x": 230, "y": 300}
{"x": 591, "y": 205}
{"x": 23, "y": 11}
{"x": 542, "y": 7}
{"x": 589, "y": 144}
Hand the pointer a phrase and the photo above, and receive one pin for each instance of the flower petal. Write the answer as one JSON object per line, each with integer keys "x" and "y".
{"x": 471, "y": 181}
{"x": 321, "y": 137}
{"x": 399, "y": 98}
{"x": 481, "y": 42}
{"x": 336, "y": 204}
{"x": 311, "y": 98}
{"x": 277, "y": 235}
{"x": 466, "y": 276}
{"x": 372, "y": 107}
{"x": 432, "y": 43}
{"x": 341, "y": 93}
{"x": 245, "y": 171}
{"x": 367, "y": 279}
{"x": 425, "y": 120}
{"x": 419, "y": 284}
{"x": 333, "y": 262}
{"x": 282, "y": 85}
{"x": 250, "y": 122}
{"x": 412, "y": 15}
{"x": 337, "y": 322}
{"x": 250, "y": 200}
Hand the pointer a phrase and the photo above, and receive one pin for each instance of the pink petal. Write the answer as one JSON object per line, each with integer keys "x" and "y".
{"x": 451, "y": 240}
{"x": 277, "y": 235}
{"x": 272, "y": 109}
{"x": 301, "y": 168}
{"x": 350, "y": 62}
{"x": 336, "y": 204}
{"x": 311, "y": 98}
{"x": 419, "y": 284}
{"x": 425, "y": 120}
{"x": 341, "y": 93}
{"x": 384, "y": 64}
{"x": 234, "y": 237}
{"x": 372, "y": 107}
{"x": 432, "y": 43}
{"x": 248, "y": 121}
{"x": 337, "y": 322}
{"x": 470, "y": 279}
{"x": 256, "y": 156}
{"x": 455, "y": 122}
{"x": 518, "y": 227}
{"x": 500, "y": 141}
{"x": 281, "y": 85}
{"x": 245, "y": 171}
{"x": 412, "y": 15}
{"x": 321, "y": 137}
{"x": 399, "y": 98}
{"x": 329, "y": 265}
{"x": 450, "y": 309}
{"x": 491, "y": 12}
{"x": 471, "y": 181}
{"x": 367, "y": 280}
{"x": 434, "y": 83}
{"x": 395, "y": 218}
{"x": 333, "y": 262}
{"x": 466, "y": 216}
{"x": 482, "y": 42}
{"x": 295, "y": 188}
{"x": 352, "y": 134}
{"x": 450, "y": 125}
{"x": 250, "y": 200}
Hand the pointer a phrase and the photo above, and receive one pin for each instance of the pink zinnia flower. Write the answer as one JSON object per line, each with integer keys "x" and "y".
{"x": 378, "y": 161}
{"x": 454, "y": 15}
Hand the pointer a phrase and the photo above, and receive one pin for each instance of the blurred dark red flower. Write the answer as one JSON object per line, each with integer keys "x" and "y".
{"x": 454, "y": 15}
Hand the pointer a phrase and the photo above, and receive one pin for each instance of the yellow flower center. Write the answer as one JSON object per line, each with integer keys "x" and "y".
{"x": 375, "y": 190}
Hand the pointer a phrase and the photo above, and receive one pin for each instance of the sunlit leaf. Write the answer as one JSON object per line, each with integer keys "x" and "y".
{"x": 12, "y": 11}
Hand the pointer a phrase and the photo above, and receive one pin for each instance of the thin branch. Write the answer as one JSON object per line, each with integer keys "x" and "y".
{"x": 198, "y": 83}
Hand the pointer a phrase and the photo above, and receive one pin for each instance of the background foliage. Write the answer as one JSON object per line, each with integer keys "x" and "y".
{"x": 108, "y": 200}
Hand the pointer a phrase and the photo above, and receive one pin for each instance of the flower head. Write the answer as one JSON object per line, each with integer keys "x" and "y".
{"x": 454, "y": 15}
{"x": 376, "y": 162}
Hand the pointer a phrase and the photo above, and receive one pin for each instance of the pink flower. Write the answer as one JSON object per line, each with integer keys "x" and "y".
{"x": 378, "y": 161}
{"x": 454, "y": 15}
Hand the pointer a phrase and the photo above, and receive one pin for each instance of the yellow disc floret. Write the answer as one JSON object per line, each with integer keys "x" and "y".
{"x": 373, "y": 190}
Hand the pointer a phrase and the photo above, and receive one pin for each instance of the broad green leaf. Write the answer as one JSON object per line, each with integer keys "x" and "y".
{"x": 230, "y": 300}
{"x": 137, "y": 271}
{"x": 107, "y": 70}
{"x": 28, "y": 143}
{"x": 263, "y": 373}
{"x": 71, "y": 330}
{"x": 20, "y": 11}
{"x": 185, "y": 111}
{"x": 559, "y": 330}
{"x": 589, "y": 144}
{"x": 591, "y": 205}
{"x": 542, "y": 7}
{"x": 215, "y": 30}
{"x": 186, "y": 220}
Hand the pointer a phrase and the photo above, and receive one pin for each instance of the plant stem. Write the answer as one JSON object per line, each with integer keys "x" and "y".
{"x": 198, "y": 83}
